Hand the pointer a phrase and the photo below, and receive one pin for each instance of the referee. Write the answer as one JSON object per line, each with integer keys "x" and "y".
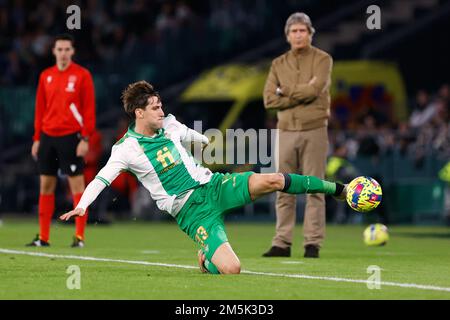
{"x": 64, "y": 121}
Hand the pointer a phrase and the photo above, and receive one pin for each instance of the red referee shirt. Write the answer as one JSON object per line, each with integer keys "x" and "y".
{"x": 65, "y": 102}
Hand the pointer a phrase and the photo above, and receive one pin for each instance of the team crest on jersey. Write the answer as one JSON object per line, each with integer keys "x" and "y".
{"x": 49, "y": 79}
{"x": 71, "y": 83}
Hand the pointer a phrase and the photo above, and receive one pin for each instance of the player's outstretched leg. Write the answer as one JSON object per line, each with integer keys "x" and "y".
{"x": 262, "y": 184}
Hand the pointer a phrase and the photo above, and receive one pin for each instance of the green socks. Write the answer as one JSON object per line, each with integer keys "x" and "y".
{"x": 298, "y": 184}
{"x": 211, "y": 267}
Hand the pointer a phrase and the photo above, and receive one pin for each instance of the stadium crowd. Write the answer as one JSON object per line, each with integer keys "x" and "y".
{"x": 124, "y": 31}
{"x": 374, "y": 133}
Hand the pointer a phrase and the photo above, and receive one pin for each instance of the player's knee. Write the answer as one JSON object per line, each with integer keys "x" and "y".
{"x": 46, "y": 190}
{"x": 77, "y": 184}
{"x": 232, "y": 268}
{"x": 47, "y": 185}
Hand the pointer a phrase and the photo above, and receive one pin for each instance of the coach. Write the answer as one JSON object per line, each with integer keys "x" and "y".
{"x": 298, "y": 87}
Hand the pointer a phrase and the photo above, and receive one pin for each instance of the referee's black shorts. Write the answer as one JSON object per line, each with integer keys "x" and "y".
{"x": 59, "y": 152}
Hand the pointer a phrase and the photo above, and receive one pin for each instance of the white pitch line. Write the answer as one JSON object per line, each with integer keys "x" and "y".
{"x": 49, "y": 255}
{"x": 382, "y": 283}
{"x": 296, "y": 276}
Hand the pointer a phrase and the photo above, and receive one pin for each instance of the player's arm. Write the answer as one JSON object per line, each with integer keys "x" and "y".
{"x": 273, "y": 95}
{"x": 38, "y": 115}
{"x": 88, "y": 105}
{"x": 307, "y": 92}
{"x": 94, "y": 188}
{"x": 88, "y": 114}
{"x": 116, "y": 163}
{"x": 186, "y": 134}
{"x": 194, "y": 136}
{"x": 39, "y": 108}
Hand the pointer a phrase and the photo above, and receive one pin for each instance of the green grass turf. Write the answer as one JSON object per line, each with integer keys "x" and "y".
{"x": 417, "y": 255}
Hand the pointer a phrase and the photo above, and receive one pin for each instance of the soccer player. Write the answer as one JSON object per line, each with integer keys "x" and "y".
{"x": 192, "y": 194}
{"x": 64, "y": 121}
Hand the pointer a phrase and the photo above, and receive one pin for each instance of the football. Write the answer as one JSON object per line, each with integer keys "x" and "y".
{"x": 363, "y": 194}
{"x": 376, "y": 235}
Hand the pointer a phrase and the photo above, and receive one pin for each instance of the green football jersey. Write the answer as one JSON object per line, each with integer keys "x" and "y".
{"x": 161, "y": 163}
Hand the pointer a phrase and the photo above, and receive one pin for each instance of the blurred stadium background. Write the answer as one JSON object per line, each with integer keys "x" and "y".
{"x": 390, "y": 90}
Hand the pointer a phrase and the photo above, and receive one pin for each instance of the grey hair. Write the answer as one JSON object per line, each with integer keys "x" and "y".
{"x": 299, "y": 17}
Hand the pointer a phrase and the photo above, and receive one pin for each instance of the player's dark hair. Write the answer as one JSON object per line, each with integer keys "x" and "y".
{"x": 64, "y": 36}
{"x": 136, "y": 96}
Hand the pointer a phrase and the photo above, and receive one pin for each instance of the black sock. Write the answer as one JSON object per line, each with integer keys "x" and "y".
{"x": 339, "y": 189}
{"x": 287, "y": 182}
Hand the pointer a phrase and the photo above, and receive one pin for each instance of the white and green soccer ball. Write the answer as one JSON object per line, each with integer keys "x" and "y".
{"x": 376, "y": 235}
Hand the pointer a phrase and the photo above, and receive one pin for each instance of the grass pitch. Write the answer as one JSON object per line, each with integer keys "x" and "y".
{"x": 158, "y": 261}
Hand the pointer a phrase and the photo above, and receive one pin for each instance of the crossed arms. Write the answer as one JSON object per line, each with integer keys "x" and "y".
{"x": 279, "y": 95}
